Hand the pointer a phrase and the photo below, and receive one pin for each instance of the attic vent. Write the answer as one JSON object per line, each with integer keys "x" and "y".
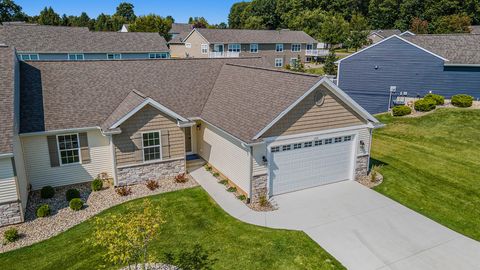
{"x": 319, "y": 98}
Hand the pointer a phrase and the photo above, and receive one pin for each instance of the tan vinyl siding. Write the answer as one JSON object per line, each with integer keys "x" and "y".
{"x": 195, "y": 51}
{"x": 22, "y": 181}
{"x": 226, "y": 154}
{"x": 364, "y": 135}
{"x": 129, "y": 144}
{"x": 8, "y": 187}
{"x": 177, "y": 51}
{"x": 308, "y": 117}
{"x": 40, "y": 173}
{"x": 259, "y": 167}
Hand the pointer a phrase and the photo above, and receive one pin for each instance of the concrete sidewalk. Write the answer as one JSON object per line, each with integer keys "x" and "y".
{"x": 360, "y": 227}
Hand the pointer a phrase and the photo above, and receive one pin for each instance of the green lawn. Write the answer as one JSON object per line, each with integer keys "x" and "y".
{"x": 432, "y": 165}
{"x": 192, "y": 217}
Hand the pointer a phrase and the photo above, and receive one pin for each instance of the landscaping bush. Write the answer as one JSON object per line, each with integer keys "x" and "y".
{"x": 195, "y": 259}
{"x": 462, "y": 100}
{"x": 208, "y": 168}
{"x": 232, "y": 189}
{"x": 152, "y": 184}
{"x": 401, "y": 110}
{"x": 43, "y": 210}
{"x": 71, "y": 194}
{"x": 97, "y": 184}
{"x": 181, "y": 178}
{"x": 425, "y": 105}
{"x": 439, "y": 100}
{"x": 215, "y": 174}
{"x": 76, "y": 204}
{"x": 123, "y": 191}
{"x": 47, "y": 192}
{"x": 223, "y": 182}
{"x": 241, "y": 197}
{"x": 263, "y": 201}
{"x": 11, "y": 235}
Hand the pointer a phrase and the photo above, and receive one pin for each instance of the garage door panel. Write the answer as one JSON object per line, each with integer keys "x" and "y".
{"x": 306, "y": 167}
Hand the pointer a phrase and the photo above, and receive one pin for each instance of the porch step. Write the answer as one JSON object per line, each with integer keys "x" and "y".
{"x": 195, "y": 164}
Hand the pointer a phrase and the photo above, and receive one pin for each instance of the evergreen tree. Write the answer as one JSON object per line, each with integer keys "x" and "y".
{"x": 49, "y": 17}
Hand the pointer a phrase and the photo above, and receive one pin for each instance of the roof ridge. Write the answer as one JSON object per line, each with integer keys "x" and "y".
{"x": 138, "y": 93}
{"x": 276, "y": 70}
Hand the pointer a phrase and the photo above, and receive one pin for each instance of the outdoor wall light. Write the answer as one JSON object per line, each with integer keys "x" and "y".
{"x": 264, "y": 159}
{"x": 199, "y": 126}
{"x": 376, "y": 67}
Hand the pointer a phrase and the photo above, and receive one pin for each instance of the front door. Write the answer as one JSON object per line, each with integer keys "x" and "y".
{"x": 188, "y": 140}
{"x": 218, "y": 48}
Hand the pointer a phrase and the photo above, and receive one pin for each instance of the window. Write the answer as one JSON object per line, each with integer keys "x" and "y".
{"x": 328, "y": 141}
{"x": 26, "y": 57}
{"x": 114, "y": 56}
{"x": 296, "y": 47}
{"x": 308, "y": 59}
{"x": 286, "y": 147}
{"x": 278, "y": 62}
{"x": 307, "y": 144}
{"x": 234, "y": 47}
{"x": 151, "y": 146}
{"x": 204, "y": 48}
{"x": 318, "y": 142}
{"x": 275, "y": 149}
{"x": 310, "y": 46}
{"x": 347, "y": 138}
{"x": 68, "y": 149}
{"x": 75, "y": 56}
{"x": 254, "y": 48}
{"x": 297, "y": 145}
{"x": 293, "y": 61}
{"x": 188, "y": 45}
{"x": 338, "y": 139}
{"x": 158, "y": 55}
{"x": 279, "y": 47}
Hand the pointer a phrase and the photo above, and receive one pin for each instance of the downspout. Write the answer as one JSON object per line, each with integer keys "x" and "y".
{"x": 114, "y": 160}
{"x": 251, "y": 173}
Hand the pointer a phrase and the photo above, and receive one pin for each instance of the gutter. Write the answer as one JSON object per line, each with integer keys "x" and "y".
{"x": 6, "y": 155}
{"x": 51, "y": 132}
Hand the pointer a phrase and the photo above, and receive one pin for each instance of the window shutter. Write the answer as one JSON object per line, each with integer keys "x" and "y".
{"x": 53, "y": 151}
{"x": 138, "y": 147}
{"x": 84, "y": 149}
{"x": 165, "y": 143}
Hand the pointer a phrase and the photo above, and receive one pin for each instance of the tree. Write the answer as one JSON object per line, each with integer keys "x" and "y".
{"x": 236, "y": 16}
{"x": 196, "y": 259}
{"x": 125, "y": 10}
{"x": 309, "y": 21}
{"x": 409, "y": 9}
{"x": 334, "y": 29}
{"x": 198, "y": 22}
{"x": 254, "y": 22}
{"x": 383, "y": 13}
{"x": 330, "y": 68}
{"x": 83, "y": 20}
{"x": 125, "y": 237}
{"x": 266, "y": 11}
{"x": 358, "y": 32}
{"x": 151, "y": 23}
{"x": 49, "y": 17}
{"x": 457, "y": 23}
{"x": 9, "y": 11}
{"x": 221, "y": 25}
{"x": 419, "y": 26}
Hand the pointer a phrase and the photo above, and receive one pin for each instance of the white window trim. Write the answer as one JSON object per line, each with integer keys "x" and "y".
{"x": 230, "y": 47}
{"x": 188, "y": 45}
{"x": 281, "y": 59}
{"x": 114, "y": 56}
{"x": 76, "y": 54}
{"x": 79, "y": 151}
{"x": 300, "y": 45}
{"x": 251, "y": 47}
{"x": 202, "y": 47}
{"x": 143, "y": 147}
{"x": 276, "y": 47}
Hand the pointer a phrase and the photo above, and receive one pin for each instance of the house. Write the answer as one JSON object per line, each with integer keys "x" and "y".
{"x": 124, "y": 28}
{"x": 411, "y": 66}
{"x": 41, "y": 42}
{"x": 268, "y": 131}
{"x": 280, "y": 47}
{"x": 180, "y": 30}
{"x": 378, "y": 35}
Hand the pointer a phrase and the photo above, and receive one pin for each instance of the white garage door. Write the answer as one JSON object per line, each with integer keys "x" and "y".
{"x": 311, "y": 163}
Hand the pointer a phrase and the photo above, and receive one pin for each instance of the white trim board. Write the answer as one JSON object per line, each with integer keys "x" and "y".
{"x": 390, "y": 37}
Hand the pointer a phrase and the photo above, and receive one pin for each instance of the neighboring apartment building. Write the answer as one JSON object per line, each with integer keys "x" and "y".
{"x": 279, "y": 47}
{"x": 411, "y": 66}
{"x": 180, "y": 30}
{"x": 40, "y": 42}
{"x": 381, "y": 34}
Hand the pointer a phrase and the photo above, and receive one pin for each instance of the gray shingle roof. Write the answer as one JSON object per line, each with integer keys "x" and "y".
{"x": 386, "y": 32}
{"x": 7, "y": 91}
{"x": 457, "y": 48}
{"x": 180, "y": 28}
{"x": 475, "y": 29}
{"x": 228, "y": 93}
{"x": 254, "y": 36}
{"x": 50, "y": 39}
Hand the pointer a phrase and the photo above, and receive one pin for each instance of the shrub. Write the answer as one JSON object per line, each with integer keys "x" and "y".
{"x": 223, "y": 182}
{"x": 215, "y": 174}
{"x": 97, "y": 184}
{"x": 439, "y": 100}
{"x": 123, "y": 191}
{"x": 11, "y": 235}
{"x": 401, "y": 110}
{"x": 181, "y": 178}
{"x": 196, "y": 259}
{"x": 232, "y": 189}
{"x": 374, "y": 173}
{"x": 72, "y": 193}
{"x": 47, "y": 192}
{"x": 462, "y": 100}
{"x": 43, "y": 210}
{"x": 263, "y": 201}
{"x": 208, "y": 167}
{"x": 425, "y": 105}
{"x": 241, "y": 197}
{"x": 76, "y": 204}
{"x": 152, "y": 184}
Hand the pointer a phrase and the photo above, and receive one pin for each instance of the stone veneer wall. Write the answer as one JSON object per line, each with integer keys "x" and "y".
{"x": 259, "y": 187}
{"x": 156, "y": 171}
{"x": 10, "y": 213}
{"x": 361, "y": 169}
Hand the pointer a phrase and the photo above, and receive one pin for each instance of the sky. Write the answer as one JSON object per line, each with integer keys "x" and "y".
{"x": 215, "y": 11}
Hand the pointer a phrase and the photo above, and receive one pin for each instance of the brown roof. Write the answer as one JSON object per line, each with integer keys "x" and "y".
{"x": 130, "y": 102}
{"x": 254, "y": 36}
{"x": 51, "y": 39}
{"x": 457, "y": 48}
{"x": 180, "y": 28}
{"x": 7, "y": 91}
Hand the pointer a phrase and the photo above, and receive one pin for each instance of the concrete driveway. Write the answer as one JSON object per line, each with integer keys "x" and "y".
{"x": 360, "y": 227}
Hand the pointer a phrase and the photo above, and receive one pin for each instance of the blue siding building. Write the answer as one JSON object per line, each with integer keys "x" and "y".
{"x": 417, "y": 65}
